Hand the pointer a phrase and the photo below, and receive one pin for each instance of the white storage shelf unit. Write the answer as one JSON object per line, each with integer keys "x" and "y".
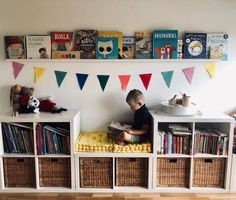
{"x": 220, "y": 122}
{"x": 72, "y": 119}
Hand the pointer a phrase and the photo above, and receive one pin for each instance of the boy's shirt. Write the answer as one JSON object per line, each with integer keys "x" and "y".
{"x": 141, "y": 117}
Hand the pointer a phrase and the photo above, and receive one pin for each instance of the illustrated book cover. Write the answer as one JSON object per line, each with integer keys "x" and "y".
{"x": 107, "y": 48}
{"x": 15, "y": 47}
{"x": 165, "y": 44}
{"x": 143, "y": 45}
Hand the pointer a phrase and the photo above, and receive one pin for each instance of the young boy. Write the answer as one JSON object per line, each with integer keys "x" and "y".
{"x": 140, "y": 127}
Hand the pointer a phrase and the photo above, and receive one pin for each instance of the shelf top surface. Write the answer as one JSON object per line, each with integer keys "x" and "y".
{"x": 203, "y": 117}
{"x": 41, "y": 117}
{"x": 113, "y": 60}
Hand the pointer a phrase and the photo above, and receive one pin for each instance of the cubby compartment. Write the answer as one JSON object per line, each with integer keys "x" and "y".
{"x": 55, "y": 172}
{"x": 211, "y": 138}
{"x": 209, "y": 172}
{"x": 96, "y": 172}
{"x": 53, "y": 138}
{"x": 173, "y": 172}
{"x": 174, "y": 138}
{"x": 19, "y": 172}
{"x": 17, "y": 137}
{"x": 132, "y": 172}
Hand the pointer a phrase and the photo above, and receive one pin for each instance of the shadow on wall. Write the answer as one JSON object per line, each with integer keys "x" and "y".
{"x": 5, "y": 99}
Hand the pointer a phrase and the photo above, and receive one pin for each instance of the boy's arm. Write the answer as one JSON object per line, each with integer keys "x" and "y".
{"x": 142, "y": 131}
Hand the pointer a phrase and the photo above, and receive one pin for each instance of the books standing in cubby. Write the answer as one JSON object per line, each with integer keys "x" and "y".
{"x": 17, "y": 138}
{"x": 174, "y": 138}
{"x": 210, "y": 141}
{"x": 52, "y": 139}
{"x": 38, "y": 46}
{"x": 63, "y": 46}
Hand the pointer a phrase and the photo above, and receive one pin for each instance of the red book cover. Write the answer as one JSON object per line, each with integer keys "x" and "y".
{"x": 175, "y": 144}
{"x": 62, "y": 41}
{"x": 39, "y": 139}
{"x": 180, "y": 145}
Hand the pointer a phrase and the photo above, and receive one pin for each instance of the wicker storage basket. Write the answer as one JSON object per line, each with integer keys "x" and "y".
{"x": 209, "y": 172}
{"x": 19, "y": 172}
{"x": 55, "y": 172}
{"x": 132, "y": 172}
{"x": 95, "y": 172}
{"x": 173, "y": 172}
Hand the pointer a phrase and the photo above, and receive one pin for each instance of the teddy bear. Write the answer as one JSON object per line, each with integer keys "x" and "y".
{"x": 24, "y": 100}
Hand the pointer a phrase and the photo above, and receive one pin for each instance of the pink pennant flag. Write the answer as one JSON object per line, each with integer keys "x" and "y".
{"x": 17, "y": 67}
{"x": 124, "y": 80}
{"x": 188, "y": 72}
{"x": 145, "y": 79}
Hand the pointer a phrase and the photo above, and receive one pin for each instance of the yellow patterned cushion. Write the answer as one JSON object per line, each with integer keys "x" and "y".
{"x": 99, "y": 142}
{"x": 94, "y": 142}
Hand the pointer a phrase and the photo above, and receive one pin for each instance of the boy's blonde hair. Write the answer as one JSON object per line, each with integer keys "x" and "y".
{"x": 135, "y": 95}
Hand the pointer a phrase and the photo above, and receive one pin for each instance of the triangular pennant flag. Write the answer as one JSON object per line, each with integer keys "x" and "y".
{"x": 145, "y": 79}
{"x": 124, "y": 80}
{"x": 60, "y": 76}
{"x": 38, "y": 73}
{"x": 210, "y": 67}
{"x": 81, "y": 79}
{"x": 17, "y": 67}
{"x": 103, "y": 80}
{"x": 188, "y": 72}
{"x": 167, "y": 76}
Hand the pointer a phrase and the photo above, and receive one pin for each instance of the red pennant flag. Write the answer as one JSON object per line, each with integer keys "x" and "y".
{"x": 124, "y": 80}
{"x": 17, "y": 67}
{"x": 145, "y": 79}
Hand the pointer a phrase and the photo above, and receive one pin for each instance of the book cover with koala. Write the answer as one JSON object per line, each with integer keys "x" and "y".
{"x": 63, "y": 46}
{"x": 112, "y": 34}
{"x": 165, "y": 44}
{"x": 143, "y": 45}
{"x": 217, "y": 46}
{"x": 38, "y": 46}
{"x": 195, "y": 45}
{"x": 107, "y": 48}
{"x": 85, "y": 43}
{"x": 15, "y": 47}
{"x": 128, "y": 49}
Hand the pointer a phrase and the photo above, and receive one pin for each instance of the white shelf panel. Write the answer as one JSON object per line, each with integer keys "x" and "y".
{"x": 130, "y": 188}
{"x": 172, "y": 189}
{"x": 205, "y": 155}
{"x": 113, "y": 60}
{"x": 107, "y": 154}
{"x": 54, "y": 156}
{"x": 15, "y": 155}
{"x": 65, "y": 116}
{"x": 173, "y": 156}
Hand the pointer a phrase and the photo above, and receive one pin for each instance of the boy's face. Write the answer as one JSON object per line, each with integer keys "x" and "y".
{"x": 134, "y": 105}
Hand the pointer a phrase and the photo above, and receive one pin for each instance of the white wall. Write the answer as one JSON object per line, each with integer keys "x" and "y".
{"x": 98, "y": 108}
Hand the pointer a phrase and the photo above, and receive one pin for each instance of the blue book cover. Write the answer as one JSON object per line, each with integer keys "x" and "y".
{"x": 7, "y": 135}
{"x": 165, "y": 44}
{"x": 170, "y": 143}
{"x": 44, "y": 141}
{"x": 195, "y": 45}
{"x": 107, "y": 48}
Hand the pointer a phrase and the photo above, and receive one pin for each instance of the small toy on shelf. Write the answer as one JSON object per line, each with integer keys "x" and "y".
{"x": 48, "y": 105}
{"x": 15, "y": 96}
{"x": 184, "y": 101}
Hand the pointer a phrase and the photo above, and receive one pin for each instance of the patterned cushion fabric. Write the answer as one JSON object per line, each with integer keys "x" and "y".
{"x": 99, "y": 142}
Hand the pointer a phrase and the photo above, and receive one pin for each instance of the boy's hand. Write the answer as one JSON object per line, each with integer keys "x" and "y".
{"x": 128, "y": 130}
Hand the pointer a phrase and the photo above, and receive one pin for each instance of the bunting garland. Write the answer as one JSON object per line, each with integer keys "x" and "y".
{"x": 210, "y": 67}
{"x": 145, "y": 79}
{"x": 124, "y": 80}
{"x": 60, "y": 76}
{"x": 167, "y": 76}
{"x": 17, "y": 67}
{"x": 38, "y": 73}
{"x": 103, "y": 80}
{"x": 81, "y": 78}
{"x": 188, "y": 72}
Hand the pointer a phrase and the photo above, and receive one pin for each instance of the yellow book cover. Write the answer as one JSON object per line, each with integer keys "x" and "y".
{"x": 113, "y": 34}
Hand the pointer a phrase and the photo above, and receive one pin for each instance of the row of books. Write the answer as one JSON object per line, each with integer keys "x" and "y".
{"x": 211, "y": 141}
{"x": 17, "y": 138}
{"x": 91, "y": 44}
{"x": 52, "y": 139}
{"x": 175, "y": 138}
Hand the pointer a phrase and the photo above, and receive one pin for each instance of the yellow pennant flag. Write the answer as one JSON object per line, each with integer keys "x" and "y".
{"x": 38, "y": 73}
{"x": 210, "y": 67}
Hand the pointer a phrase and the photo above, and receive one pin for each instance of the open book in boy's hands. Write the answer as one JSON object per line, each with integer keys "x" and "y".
{"x": 115, "y": 128}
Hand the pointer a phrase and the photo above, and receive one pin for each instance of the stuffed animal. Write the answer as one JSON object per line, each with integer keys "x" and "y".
{"x": 33, "y": 104}
{"x": 48, "y": 105}
{"x": 24, "y": 100}
{"x": 15, "y": 98}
